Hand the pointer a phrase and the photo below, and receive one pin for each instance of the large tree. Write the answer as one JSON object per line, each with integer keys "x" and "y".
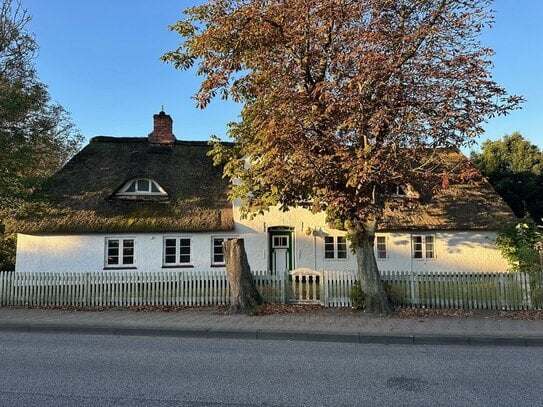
{"x": 342, "y": 101}
{"x": 36, "y": 135}
{"x": 514, "y": 167}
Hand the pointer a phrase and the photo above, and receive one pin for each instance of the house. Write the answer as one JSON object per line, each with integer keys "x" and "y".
{"x": 156, "y": 203}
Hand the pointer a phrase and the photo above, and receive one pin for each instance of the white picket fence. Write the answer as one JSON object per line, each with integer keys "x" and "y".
{"x": 498, "y": 291}
{"x": 127, "y": 288}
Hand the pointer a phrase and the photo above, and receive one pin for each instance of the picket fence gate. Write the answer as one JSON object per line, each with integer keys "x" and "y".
{"x": 497, "y": 291}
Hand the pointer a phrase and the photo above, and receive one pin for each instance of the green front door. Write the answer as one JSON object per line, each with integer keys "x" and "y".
{"x": 281, "y": 249}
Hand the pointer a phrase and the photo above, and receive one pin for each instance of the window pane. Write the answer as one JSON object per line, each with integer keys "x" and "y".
{"x": 170, "y": 250}
{"x": 132, "y": 187}
{"x": 170, "y": 242}
{"x": 184, "y": 250}
{"x": 429, "y": 243}
{"x": 143, "y": 185}
{"x": 112, "y": 259}
{"x": 128, "y": 259}
{"x": 218, "y": 255}
{"x": 381, "y": 247}
{"x": 154, "y": 187}
{"x": 417, "y": 247}
{"x": 328, "y": 247}
{"x": 341, "y": 247}
{"x": 170, "y": 259}
{"x": 112, "y": 252}
{"x": 128, "y": 243}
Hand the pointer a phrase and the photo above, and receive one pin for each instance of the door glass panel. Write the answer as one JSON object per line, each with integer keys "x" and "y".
{"x": 280, "y": 242}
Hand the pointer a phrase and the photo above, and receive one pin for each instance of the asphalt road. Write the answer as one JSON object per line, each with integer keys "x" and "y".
{"x": 94, "y": 370}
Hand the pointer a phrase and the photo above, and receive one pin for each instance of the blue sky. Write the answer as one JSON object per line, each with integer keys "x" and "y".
{"x": 101, "y": 61}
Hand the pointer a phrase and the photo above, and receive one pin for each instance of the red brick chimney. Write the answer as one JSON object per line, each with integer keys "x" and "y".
{"x": 162, "y": 129}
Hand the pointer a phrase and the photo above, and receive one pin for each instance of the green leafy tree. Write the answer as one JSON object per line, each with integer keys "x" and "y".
{"x": 36, "y": 135}
{"x": 514, "y": 167}
{"x": 522, "y": 245}
{"x": 343, "y": 101}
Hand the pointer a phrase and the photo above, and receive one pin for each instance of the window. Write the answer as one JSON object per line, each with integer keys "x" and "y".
{"x": 381, "y": 247}
{"x": 423, "y": 247}
{"x": 405, "y": 191}
{"x": 335, "y": 247}
{"x": 217, "y": 253}
{"x": 177, "y": 251}
{"x": 280, "y": 242}
{"x": 119, "y": 252}
{"x": 141, "y": 186}
{"x": 400, "y": 190}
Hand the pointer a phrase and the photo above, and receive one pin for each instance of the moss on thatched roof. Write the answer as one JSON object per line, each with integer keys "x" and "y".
{"x": 81, "y": 196}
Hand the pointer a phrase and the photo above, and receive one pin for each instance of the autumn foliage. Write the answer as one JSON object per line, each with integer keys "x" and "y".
{"x": 343, "y": 100}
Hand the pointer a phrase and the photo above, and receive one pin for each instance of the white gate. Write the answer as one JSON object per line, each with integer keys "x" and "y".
{"x": 305, "y": 286}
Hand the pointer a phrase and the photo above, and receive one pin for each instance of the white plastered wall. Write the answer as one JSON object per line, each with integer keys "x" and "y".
{"x": 454, "y": 251}
{"x": 86, "y": 253}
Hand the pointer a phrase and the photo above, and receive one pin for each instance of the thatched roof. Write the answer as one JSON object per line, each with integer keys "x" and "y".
{"x": 81, "y": 196}
{"x": 458, "y": 207}
{"x": 469, "y": 205}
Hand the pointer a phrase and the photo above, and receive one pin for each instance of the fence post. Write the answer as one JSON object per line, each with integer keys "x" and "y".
{"x": 414, "y": 289}
{"x": 283, "y": 287}
{"x": 324, "y": 289}
{"x": 525, "y": 285}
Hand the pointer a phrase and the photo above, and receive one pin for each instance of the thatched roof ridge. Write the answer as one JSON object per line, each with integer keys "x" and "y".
{"x": 81, "y": 196}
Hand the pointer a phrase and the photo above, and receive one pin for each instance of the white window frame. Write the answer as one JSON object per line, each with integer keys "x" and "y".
{"x": 124, "y": 189}
{"x": 177, "y": 254}
{"x": 336, "y": 244}
{"x": 223, "y": 238}
{"x": 377, "y": 251}
{"x": 120, "y": 254}
{"x": 282, "y": 238}
{"x": 424, "y": 249}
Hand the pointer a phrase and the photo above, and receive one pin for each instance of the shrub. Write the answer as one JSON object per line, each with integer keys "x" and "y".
{"x": 358, "y": 298}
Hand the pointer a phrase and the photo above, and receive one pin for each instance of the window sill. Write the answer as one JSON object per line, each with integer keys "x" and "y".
{"x": 218, "y": 265}
{"x": 119, "y": 268}
{"x": 179, "y": 266}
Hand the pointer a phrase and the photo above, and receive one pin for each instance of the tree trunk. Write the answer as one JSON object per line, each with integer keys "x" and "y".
{"x": 244, "y": 297}
{"x": 376, "y": 301}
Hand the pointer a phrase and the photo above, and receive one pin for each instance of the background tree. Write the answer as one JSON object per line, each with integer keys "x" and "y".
{"x": 521, "y": 244}
{"x": 343, "y": 101}
{"x": 514, "y": 167}
{"x": 36, "y": 135}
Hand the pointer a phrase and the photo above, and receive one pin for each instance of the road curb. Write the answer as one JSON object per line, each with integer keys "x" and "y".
{"x": 261, "y": 334}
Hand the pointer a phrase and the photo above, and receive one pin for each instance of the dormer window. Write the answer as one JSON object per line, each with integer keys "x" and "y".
{"x": 141, "y": 186}
{"x": 405, "y": 191}
{"x": 400, "y": 191}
